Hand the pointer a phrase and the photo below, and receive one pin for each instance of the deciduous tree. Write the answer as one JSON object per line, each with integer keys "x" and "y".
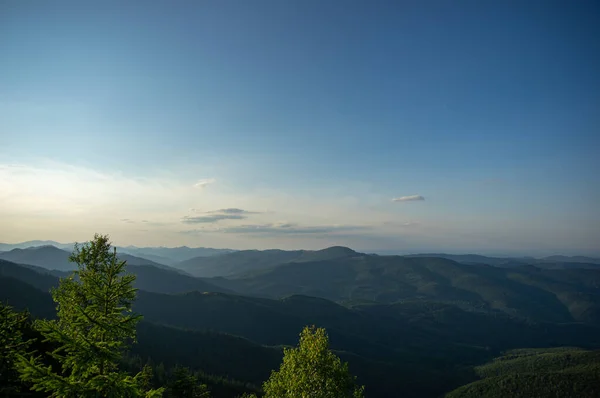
{"x": 311, "y": 370}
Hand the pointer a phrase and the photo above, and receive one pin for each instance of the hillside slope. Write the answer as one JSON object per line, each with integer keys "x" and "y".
{"x": 228, "y": 356}
{"x": 562, "y": 372}
{"x": 245, "y": 261}
{"x": 526, "y": 292}
{"x": 148, "y": 278}
{"x": 172, "y": 255}
{"x": 159, "y": 280}
{"x": 432, "y": 345}
{"x": 49, "y": 257}
{"x": 53, "y": 258}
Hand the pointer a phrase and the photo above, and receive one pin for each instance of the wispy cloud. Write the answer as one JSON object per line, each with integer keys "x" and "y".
{"x": 231, "y": 213}
{"x": 204, "y": 183}
{"x": 401, "y": 223}
{"x": 289, "y": 228}
{"x": 410, "y": 198}
{"x": 211, "y": 218}
{"x": 232, "y": 210}
{"x": 74, "y": 201}
{"x": 281, "y": 228}
{"x": 410, "y": 224}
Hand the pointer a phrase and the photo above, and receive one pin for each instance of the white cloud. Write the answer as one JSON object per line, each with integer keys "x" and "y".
{"x": 64, "y": 202}
{"x": 204, "y": 183}
{"x": 211, "y": 218}
{"x": 401, "y": 223}
{"x": 410, "y": 198}
{"x": 232, "y": 210}
{"x": 290, "y": 228}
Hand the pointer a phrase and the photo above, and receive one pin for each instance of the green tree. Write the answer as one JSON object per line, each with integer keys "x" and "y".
{"x": 145, "y": 378}
{"x": 95, "y": 325}
{"x": 185, "y": 384}
{"x": 311, "y": 370}
{"x": 12, "y": 344}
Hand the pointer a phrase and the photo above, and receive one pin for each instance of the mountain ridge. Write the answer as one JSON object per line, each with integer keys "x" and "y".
{"x": 244, "y": 261}
{"x": 148, "y": 277}
{"x": 54, "y": 258}
{"x": 561, "y": 295}
{"x": 428, "y": 343}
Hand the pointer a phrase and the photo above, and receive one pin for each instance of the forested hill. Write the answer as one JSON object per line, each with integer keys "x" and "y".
{"x": 54, "y": 258}
{"x": 148, "y": 277}
{"x": 428, "y": 319}
{"x": 431, "y": 343}
{"x": 528, "y": 292}
{"x": 561, "y": 372}
{"x": 245, "y": 261}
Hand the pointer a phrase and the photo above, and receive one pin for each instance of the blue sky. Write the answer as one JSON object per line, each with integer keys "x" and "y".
{"x": 309, "y": 115}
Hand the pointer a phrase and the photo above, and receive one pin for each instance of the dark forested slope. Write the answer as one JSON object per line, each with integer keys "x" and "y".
{"x": 528, "y": 292}
{"x": 559, "y": 372}
{"x": 244, "y": 261}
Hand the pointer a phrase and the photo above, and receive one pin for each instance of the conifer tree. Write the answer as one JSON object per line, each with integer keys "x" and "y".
{"x": 95, "y": 325}
{"x": 185, "y": 384}
{"x": 311, "y": 370}
{"x": 12, "y": 343}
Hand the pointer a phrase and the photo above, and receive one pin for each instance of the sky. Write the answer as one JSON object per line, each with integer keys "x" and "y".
{"x": 455, "y": 126}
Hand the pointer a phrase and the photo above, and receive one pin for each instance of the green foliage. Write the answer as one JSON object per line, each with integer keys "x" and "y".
{"x": 145, "y": 378}
{"x": 95, "y": 324}
{"x": 394, "y": 342}
{"x": 12, "y": 344}
{"x": 312, "y": 370}
{"x": 539, "y": 361}
{"x": 557, "y": 372}
{"x": 215, "y": 353}
{"x": 185, "y": 384}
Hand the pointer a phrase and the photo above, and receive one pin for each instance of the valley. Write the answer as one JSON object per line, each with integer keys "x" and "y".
{"x": 417, "y": 324}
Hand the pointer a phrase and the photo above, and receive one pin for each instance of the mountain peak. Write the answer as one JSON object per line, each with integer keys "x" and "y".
{"x": 45, "y": 247}
{"x": 34, "y": 249}
{"x": 330, "y": 253}
{"x": 338, "y": 250}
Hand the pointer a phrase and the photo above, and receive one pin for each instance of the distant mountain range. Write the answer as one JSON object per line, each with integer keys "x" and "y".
{"x": 429, "y": 318}
{"x": 53, "y": 258}
{"x": 35, "y": 243}
{"x": 172, "y": 255}
{"x": 160, "y": 255}
{"x": 548, "y": 292}
{"x": 510, "y": 261}
{"x": 563, "y": 295}
{"x": 425, "y": 341}
{"x": 244, "y": 261}
{"x": 149, "y": 278}
{"x": 194, "y": 260}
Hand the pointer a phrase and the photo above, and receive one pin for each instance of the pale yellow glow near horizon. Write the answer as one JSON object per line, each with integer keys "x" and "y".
{"x": 67, "y": 203}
